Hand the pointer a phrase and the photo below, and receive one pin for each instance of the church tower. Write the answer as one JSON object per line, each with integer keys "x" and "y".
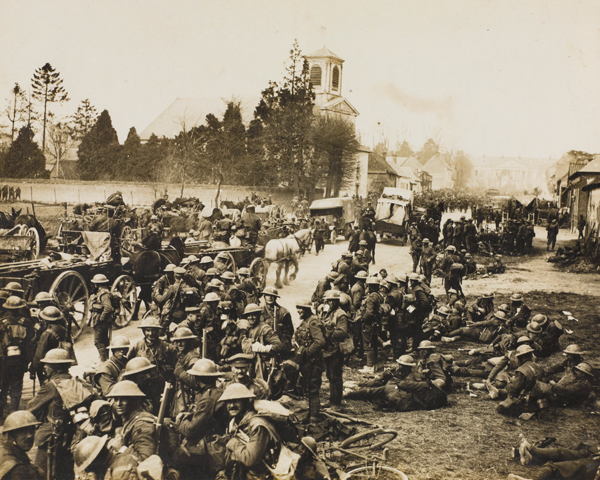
{"x": 325, "y": 69}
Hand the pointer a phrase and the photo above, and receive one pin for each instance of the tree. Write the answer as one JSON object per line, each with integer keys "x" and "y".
{"x": 46, "y": 85}
{"x": 286, "y": 115}
{"x": 84, "y": 118}
{"x": 428, "y": 150}
{"x": 24, "y": 159}
{"x": 17, "y": 109}
{"x": 61, "y": 139}
{"x": 99, "y": 151}
{"x": 336, "y": 146}
{"x": 132, "y": 155}
{"x": 403, "y": 149}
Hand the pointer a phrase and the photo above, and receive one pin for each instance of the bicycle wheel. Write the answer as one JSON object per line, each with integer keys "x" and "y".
{"x": 369, "y": 440}
{"x": 376, "y": 472}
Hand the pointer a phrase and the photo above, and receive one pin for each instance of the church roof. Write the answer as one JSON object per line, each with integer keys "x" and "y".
{"x": 325, "y": 52}
{"x": 340, "y": 105}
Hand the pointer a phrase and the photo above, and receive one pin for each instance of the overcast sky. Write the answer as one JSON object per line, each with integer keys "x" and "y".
{"x": 489, "y": 77}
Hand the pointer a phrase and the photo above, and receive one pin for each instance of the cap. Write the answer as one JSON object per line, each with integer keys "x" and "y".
{"x": 240, "y": 359}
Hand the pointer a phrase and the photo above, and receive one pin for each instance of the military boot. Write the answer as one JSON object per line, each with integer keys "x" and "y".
{"x": 314, "y": 409}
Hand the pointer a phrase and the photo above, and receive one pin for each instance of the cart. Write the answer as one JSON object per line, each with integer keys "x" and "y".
{"x": 393, "y": 212}
{"x": 339, "y": 214}
{"x": 19, "y": 243}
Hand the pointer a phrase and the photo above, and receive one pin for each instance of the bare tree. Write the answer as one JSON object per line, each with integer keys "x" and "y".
{"x": 61, "y": 138}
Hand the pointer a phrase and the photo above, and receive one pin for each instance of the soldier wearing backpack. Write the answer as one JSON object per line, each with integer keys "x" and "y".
{"x": 102, "y": 312}
{"x": 371, "y": 314}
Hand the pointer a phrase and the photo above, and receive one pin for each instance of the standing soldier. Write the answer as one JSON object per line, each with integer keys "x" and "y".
{"x": 252, "y": 222}
{"x": 319, "y": 236}
{"x": 450, "y": 259}
{"x": 395, "y": 299}
{"x": 173, "y": 310}
{"x": 247, "y": 286}
{"x": 278, "y": 318}
{"x": 416, "y": 249}
{"x": 102, "y": 315}
{"x": 19, "y": 433}
{"x": 335, "y": 325}
{"x": 418, "y": 310}
{"x": 187, "y": 355}
{"x": 161, "y": 289}
{"x": 357, "y": 294}
{"x": 262, "y": 340}
{"x": 309, "y": 354}
{"x": 428, "y": 257}
{"x": 370, "y": 313}
{"x": 470, "y": 235}
{"x": 552, "y": 230}
{"x": 16, "y": 336}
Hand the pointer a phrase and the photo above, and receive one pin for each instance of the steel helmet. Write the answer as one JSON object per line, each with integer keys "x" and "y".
{"x": 425, "y": 344}
{"x": 332, "y": 295}
{"x": 236, "y": 391}
{"x": 362, "y": 275}
{"x": 150, "y": 322}
{"x": 96, "y": 406}
{"x": 193, "y": 259}
{"x": 14, "y": 303}
{"x": 243, "y": 271}
{"x": 125, "y": 388}
{"x": 119, "y": 342}
{"x": 170, "y": 267}
{"x": 385, "y": 284}
{"x": 425, "y": 241}
{"x": 500, "y": 315}
{"x": 137, "y": 365}
{"x": 533, "y": 327}
{"x": 310, "y": 443}
{"x": 205, "y": 368}
{"x": 333, "y": 275}
{"x": 307, "y": 304}
{"x": 524, "y": 339}
{"x": 223, "y": 256}
{"x": 43, "y": 297}
{"x": 211, "y": 297}
{"x": 206, "y": 259}
{"x": 212, "y": 271}
{"x": 228, "y": 275}
{"x": 345, "y": 300}
{"x": 183, "y": 333}
{"x": 57, "y": 355}
{"x": 14, "y": 287}
{"x": 271, "y": 291}
{"x": 373, "y": 281}
{"x": 347, "y": 254}
{"x": 414, "y": 277}
{"x": 393, "y": 279}
{"x": 215, "y": 283}
{"x": 573, "y": 349}
{"x": 422, "y": 278}
{"x": 585, "y": 368}
{"x": 4, "y": 295}
{"x": 503, "y": 308}
{"x": 185, "y": 261}
{"x": 516, "y": 297}
{"x": 18, "y": 420}
{"x": 540, "y": 319}
{"x": 87, "y": 450}
{"x": 99, "y": 278}
{"x": 524, "y": 350}
{"x": 363, "y": 243}
{"x": 242, "y": 324}
{"x": 451, "y": 248}
{"x": 252, "y": 308}
{"x": 488, "y": 296}
{"x": 406, "y": 360}
{"x": 51, "y": 314}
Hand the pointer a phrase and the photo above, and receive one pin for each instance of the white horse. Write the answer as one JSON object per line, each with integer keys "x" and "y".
{"x": 285, "y": 251}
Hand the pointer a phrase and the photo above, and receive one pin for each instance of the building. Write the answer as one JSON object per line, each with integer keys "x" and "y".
{"x": 326, "y": 69}
{"x": 580, "y": 187}
{"x": 442, "y": 173}
{"x": 407, "y": 175}
{"x": 510, "y": 175}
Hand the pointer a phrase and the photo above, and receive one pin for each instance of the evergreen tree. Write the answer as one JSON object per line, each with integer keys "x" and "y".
{"x": 99, "y": 151}
{"x": 404, "y": 150}
{"x": 46, "y": 85}
{"x": 132, "y": 156}
{"x": 24, "y": 159}
{"x": 84, "y": 118}
{"x": 17, "y": 108}
{"x": 428, "y": 150}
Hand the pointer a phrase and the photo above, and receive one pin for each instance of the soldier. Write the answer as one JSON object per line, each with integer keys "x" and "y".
{"x": 187, "y": 354}
{"x": 470, "y": 235}
{"x": 262, "y": 341}
{"x": 241, "y": 365}
{"x": 157, "y": 351}
{"x": 343, "y": 265}
{"x": 108, "y": 373}
{"x": 278, "y": 318}
{"x": 136, "y": 442}
{"x": 484, "y": 331}
{"x": 322, "y": 286}
{"x": 574, "y": 388}
{"x": 247, "y": 286}
{"x": 370, "y": 314}
{"x": 19, "y": 433}
{"x": 418, "y": 308}
{"x": 204, "y": 418}
{"x": 363, "y": 252}
{"x": 428, "y": 257}
{"x": 162, "y": 287}
{"x": 335, "y": 328}
{"x": 416, "y": 250}
{"x": 173, "y": 310}
{"x": 52, "y": 403}
{"x": 448, "y": 231}
{"x": 529, "y": 234}
{"x": 395, "y": 300}
{"x": 102, "y": 315}
{"x": 16, "y": 335}
{"x": 140, "y": 371}
{"x": 573, "y": 355}
{"x": 92, "y": 457}
{"x": 552, "y": 230}
{"x": 252, "y": 223}
{"x": 208, "y": 321}
{"x": 549, "y": 338}
{"x": 449, "y": 259}
{"x": 518, "y": 313}
{"x": 319, "y": 236}
{"x": 253, "y": 438}
{"x": 433, "y": 366}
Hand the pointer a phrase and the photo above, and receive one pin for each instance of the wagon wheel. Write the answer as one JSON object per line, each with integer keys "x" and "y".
{"x": 128, "y": 236}
{"x": 126, "y": 288}
{"x": 34, "y": 253}
{"x": 71, "y": 292}
{"x": 230, "y": 264}
{"x": 259, "y": 269}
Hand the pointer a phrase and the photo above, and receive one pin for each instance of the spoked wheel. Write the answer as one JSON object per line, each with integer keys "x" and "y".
{"x": 34, "y": 253}
{"x": 376, "y": 472}
{"x": 125, "y": 287}
{"x": 259, "y": 269}
{"x": 369, "y": 440}
{"x": 71, "y": 292}
{"x": 230, "y": 263}
{"x": 128, "y": 237}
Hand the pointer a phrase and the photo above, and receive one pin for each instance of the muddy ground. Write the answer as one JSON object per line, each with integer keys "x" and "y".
{"x": 467, "y": 439}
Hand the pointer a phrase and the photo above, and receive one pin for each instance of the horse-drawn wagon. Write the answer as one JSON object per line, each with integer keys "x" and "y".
{"x": 393, "y": 212}
{"x": 22, "y": 237}
{"x": 339, "y": 213}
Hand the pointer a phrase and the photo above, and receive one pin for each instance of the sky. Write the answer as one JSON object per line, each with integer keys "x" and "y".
{"x": 498, "y": 77}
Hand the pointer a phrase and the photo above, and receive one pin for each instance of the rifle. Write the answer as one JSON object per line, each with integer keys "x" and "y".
{"x": 161, "y": 415}
{"x": 204, "y": 339}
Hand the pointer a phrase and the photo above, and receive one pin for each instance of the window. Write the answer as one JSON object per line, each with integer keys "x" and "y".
{"x": 315, "y": 76}
{"x": 335, "y": 79}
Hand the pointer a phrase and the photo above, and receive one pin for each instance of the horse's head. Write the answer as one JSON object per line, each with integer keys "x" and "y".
{"x": 15, "y": 213}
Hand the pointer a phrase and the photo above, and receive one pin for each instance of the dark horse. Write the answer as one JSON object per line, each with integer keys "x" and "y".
{"x": 8, "y": 221}
{"x": 371, "y": 239}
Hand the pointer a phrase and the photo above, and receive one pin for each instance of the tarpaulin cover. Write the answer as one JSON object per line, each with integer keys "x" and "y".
{"x": 96, "y": 242}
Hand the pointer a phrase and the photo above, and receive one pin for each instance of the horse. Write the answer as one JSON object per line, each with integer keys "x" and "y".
{"x": 285, "y": 251}
{"x": 371, "y": 239}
